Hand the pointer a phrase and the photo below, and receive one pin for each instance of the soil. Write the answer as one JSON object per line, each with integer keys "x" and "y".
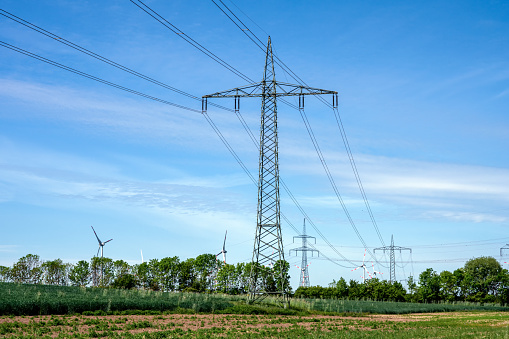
{"x": 221, "y": 322}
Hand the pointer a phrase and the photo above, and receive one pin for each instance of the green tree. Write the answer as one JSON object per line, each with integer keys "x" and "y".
{"x": 5, "y": 274}
{"x": 204, "y": 265}
{"x": 226, "y": 279}
{"x": 167, "y": 272}
{"x": 125, "y": 281}
{"x": 187, "y": 277}
{"x": 143, "y": 275}
{"x": 244, "y": 276}
{"x": 449, "y": 288}
{"x": 56, "y": 272}
{"x": 482, "y": 278}
{"x": 412, "y": 289}
{"x": 395, "y": 291}
{"x": 282, "y": 276}
{"x": 341, "y": 288}
{"x": 102, "y": 271}
{"x": 27, "y": 270}
{"x": 459, "y": 276}
{"x": 80, "y": 274}
{"x": 120, "y": 268}
{"x": 355, "y": 290}
{"x": 242, "y": 283}
{"x": 429, "y": 286}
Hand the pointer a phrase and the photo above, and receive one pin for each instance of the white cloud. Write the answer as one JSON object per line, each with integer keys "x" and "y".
{"x": 467, "y": 216}
{"x": 8, "y": 248}
{"x": 94, "y": 110}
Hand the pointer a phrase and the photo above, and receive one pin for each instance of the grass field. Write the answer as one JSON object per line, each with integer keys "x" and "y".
{"x": 39, "y": 311}
{"x": 19, "y": 299}
{"x": 472, "y": 324}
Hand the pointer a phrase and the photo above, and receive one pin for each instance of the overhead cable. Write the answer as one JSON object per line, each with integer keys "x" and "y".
{"x": 179, "y": 32}
{"x": 86, "y": 75}
{"x": 285, "y": 68}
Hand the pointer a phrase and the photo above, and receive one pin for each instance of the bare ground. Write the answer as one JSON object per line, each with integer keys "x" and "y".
{"x": 55, "y": 325}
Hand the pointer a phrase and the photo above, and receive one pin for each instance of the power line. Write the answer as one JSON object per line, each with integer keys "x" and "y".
{"x": 206, "y": 116}
{"x": 179, "y": 32}
{"x": 144, "y": 7}
{"x": 285, "y": 68}
{"x": 100, "y": 58}
{"x": 86, "y": 75}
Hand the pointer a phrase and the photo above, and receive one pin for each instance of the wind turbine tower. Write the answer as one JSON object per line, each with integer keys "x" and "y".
{"x": 223, "y": 251}
{"x": 304, "y": 249}
{"x": 101, "y": 244}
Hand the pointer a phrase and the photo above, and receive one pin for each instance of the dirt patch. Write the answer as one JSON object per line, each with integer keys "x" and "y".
{"x": 53, "y": 326}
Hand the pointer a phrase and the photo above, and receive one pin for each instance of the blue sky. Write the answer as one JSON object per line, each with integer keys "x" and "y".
{"x": 424, "y": 91}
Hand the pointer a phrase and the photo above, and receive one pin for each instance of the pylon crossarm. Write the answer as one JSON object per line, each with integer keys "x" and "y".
{"x": 256, "y": 91}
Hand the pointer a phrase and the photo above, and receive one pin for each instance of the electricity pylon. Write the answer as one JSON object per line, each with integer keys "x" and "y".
{"x": 304, "y": 281}
{"x": 268, "y": 243}
{"x": 506, "y": 247}
{"x": 391, "y": 250}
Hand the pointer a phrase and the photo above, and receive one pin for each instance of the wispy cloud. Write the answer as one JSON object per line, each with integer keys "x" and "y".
{"x": 126, "y": 116}
{"x": 467, "y": 216}
{"x": 8, "y": 248}
{"x": 62, "y": 176}
{"x": 439, "y": 190}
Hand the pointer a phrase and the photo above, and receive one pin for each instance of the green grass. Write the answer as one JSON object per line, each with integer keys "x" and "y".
{"x": 388, "y": 307}
{"x": 462, "y": 325}
{"x": 22, "y": 299}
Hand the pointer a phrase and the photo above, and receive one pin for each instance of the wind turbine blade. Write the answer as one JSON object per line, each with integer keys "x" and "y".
{"x": 224, "y": 257}
{"x": 98, "y": 251}
{"x": 108, "y": 241}
{"x": 96, "y": 235}
{"x": 224, "y": 243}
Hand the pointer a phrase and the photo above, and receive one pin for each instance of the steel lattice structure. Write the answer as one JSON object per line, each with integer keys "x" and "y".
{"x": 392, "y": 256}
{"x": 268, "y": 253}
{"x": 304, "y": 249}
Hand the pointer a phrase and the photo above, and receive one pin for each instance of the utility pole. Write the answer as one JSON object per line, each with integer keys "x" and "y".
{"x": 304, "y": 281}
{"x": 391, "y": 250}
{"x": 268, "y": 242}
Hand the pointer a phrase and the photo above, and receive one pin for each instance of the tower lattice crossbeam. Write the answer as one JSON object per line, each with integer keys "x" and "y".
{"x": 268, "y": 243}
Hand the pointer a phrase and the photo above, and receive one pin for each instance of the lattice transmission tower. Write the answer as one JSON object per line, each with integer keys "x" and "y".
{"x": 391, "y": 250}
{"x": 505, "y": 247}
{"x": 268, "y": 242}
{"x": 304, "y": 249}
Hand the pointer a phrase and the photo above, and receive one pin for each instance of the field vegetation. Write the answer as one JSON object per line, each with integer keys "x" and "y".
{"x": 481, "y": 280}
{"x": 439, "y": 325}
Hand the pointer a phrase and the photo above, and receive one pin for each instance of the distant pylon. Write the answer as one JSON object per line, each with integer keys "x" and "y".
{"x": 506, "y": 247}
{"x": 392, "y": 256}
{"x": 304, "y": 279}
{"x": 268, "y": 244}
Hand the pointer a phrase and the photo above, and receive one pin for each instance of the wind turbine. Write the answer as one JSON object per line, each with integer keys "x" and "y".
{"x": 101, "y": 244}
{"x": 363, "y": 266}
{"x": 304, "y": 276}
{"x": 375, "y": 272}
{"x": 224, "y": 249}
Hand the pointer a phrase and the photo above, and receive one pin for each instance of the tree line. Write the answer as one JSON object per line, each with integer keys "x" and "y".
{"x": 481, "y": 280}
{"x": 201, "y": 274}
